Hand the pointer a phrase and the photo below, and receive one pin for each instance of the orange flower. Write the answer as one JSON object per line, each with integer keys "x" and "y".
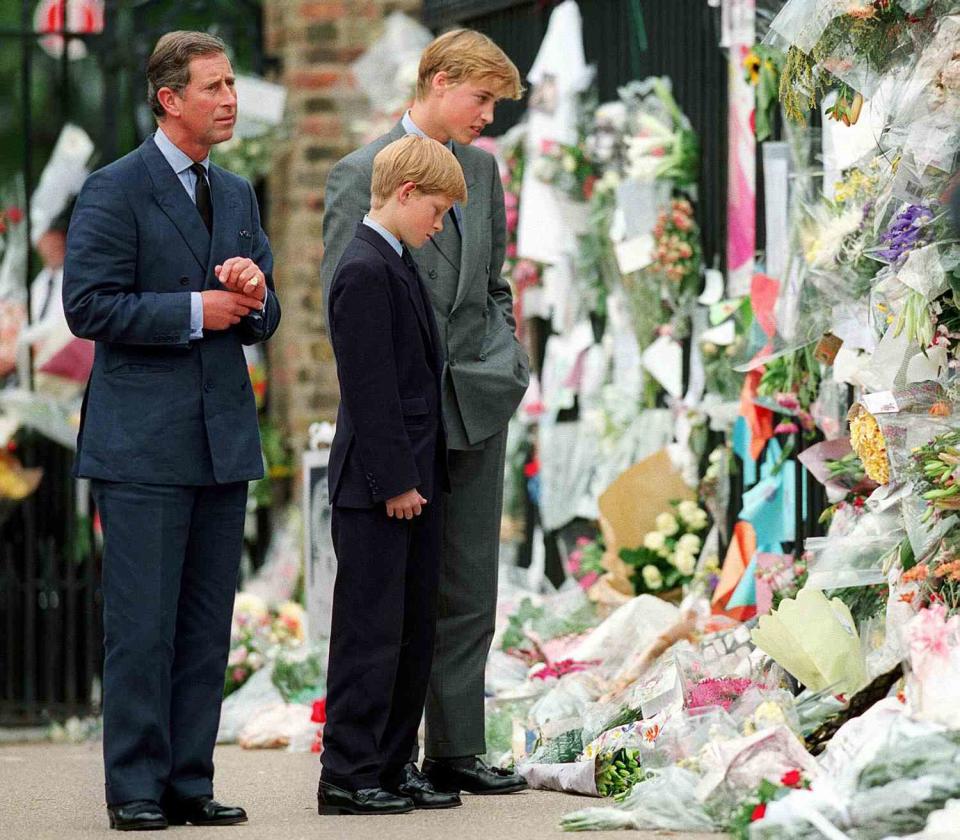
{"x": 907, "y": 597}
{"x": 918, "y": 572}
{"x": 652, "y": 733}
{"x": 949, "y": 570}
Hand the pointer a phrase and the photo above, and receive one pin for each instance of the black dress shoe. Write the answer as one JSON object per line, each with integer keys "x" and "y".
{"x": 202, "y": 810}
{"x": 417, "y": 787}
{"x": 139, "y": 815}
{"x": 472, "y": 775}
{"x": 332, "y": 800}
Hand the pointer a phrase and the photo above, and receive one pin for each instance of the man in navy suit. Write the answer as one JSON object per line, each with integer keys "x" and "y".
{"x": 387, "y": 471}
{"x": 169, "y": 271}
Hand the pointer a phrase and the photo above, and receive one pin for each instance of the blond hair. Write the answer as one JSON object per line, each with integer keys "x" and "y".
{"x": 429, "y": 164}
{"x": 467, "y": 55}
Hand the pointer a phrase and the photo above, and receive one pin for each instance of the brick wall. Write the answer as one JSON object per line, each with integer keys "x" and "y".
{"x": 315, "y": 41}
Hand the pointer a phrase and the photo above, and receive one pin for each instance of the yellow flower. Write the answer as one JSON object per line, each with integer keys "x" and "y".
{"x": 751, "y": 63}
{"x": 868, "y": 442}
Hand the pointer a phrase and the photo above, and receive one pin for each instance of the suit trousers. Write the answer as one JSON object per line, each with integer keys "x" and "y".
{"x": 381, "y": 642}
{"x": 170, "y": 563}
{"x": 468, "y": 600}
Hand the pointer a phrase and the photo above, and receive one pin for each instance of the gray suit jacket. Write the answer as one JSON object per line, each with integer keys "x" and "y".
{"x": 487, "y": 371}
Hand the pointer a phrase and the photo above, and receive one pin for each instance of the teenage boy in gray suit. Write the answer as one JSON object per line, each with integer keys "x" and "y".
{"x": 462, "y": 74}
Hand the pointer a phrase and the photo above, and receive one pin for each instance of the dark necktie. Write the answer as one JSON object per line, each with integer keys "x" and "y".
{"x": 408, "y": 261}
{"x": 204, "y": 205}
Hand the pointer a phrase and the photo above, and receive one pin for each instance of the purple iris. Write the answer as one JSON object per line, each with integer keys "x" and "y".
{"x": 908, "y": 230}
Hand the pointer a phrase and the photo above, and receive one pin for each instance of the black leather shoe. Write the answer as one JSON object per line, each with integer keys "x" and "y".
{"x": 332, "y": 800}
{"x": 472, "y": 775}
{"x": 202, "y": 810}
{"x": 417, "y": 787}
{"x": 139, "y": 815}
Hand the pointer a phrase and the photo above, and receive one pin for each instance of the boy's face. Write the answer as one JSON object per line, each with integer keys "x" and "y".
{"x": 421, "y": 214}
{"x": 464, "y": 109}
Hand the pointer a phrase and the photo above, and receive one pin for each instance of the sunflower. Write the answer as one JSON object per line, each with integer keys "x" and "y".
{"x": 751, "y": 63}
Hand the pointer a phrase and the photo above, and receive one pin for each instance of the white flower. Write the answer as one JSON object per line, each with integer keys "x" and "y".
{"x": 686, "y": 509}
{"x": 569, "y": 163}
{"x": 652, "y": 577}
{"x": 248, "y": 604}
{"x": 255, "y": 660}
{"x": 667, "y": 524}
{"x": 689, "y": 543}
{"x": 684, "y": 562}
{"x": 654, "y": 541}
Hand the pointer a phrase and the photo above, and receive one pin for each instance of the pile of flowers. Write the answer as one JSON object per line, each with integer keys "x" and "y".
{"x": 668, "y": 557}
{"x": 258, "y": 634}
{"x": 585, "y": 562}
{"x": 567, "y": 168}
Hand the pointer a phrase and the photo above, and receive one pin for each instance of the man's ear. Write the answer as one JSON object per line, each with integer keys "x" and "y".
{"x": 405, "y": 191}
{"x": 169, "y": 100}
{"x": 440, "y": 83}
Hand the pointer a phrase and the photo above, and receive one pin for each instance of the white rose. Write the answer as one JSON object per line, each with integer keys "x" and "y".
{"x": 652, "y": 577}
{"x": 654, "y": 541}
{"x": 667, "y": 524}
{"x": 698, "y": 522}
{"x": 690, "y": 543}
{"x": 686, "y": 509}
{"x": 569, "y": 163}
{"x": 685, "y": 562}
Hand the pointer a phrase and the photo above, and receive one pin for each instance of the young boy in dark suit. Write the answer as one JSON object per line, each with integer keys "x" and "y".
{"x": 387, "y": 472}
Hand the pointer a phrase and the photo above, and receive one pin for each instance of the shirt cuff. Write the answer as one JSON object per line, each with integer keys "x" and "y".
{"x": 257, "y": 315}
{"x": 196, "y": 316}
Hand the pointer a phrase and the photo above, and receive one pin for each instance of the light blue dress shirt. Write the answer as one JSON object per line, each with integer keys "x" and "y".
{"x": 412, "y": 128}
{"x": 395, "y": 243}
{"x": 181, "y": 162}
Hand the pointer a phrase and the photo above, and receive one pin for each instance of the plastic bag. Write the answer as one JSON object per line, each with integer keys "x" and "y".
{"x": 666, "y": 801}
{"x": 280, "y": 725}
{"x": 254, "y": 696}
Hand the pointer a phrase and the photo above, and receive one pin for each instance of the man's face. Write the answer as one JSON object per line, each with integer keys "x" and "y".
{"x": 464, "y": 109}
{"x": 422, "y": 215}
{"x": 207, "y": 108}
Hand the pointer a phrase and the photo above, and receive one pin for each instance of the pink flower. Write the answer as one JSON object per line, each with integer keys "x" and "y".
{"x": 582, "y": 541}
{"x": 788, "y": 401}
{"x": 786, "y": 429}
{"x": 931, "y": 636}
{"x": 513, "y": 216}
{"x": 488, "y": 144}
{"x": 511, "y": 250}
{"x": 588, "y": 580}
{"x": 239, "y": 675}
{"x": 510, "y": 200}
{"x": 573, "y": 563}
{"x": 717, "y": 692}
{"x": 548, "y": 147}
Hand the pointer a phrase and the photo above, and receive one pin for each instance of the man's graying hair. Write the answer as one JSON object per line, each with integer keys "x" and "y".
{"x": 169, "y": 65}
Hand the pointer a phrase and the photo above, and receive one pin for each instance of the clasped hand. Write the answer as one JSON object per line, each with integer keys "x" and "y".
{"x": 244, "y": 291}
{"x": 406, "y": 505}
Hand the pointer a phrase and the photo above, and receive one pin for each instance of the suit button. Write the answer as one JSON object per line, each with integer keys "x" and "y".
{"x": 482, "y": 357}
{"x": 432, "y": 274}
{"x": 208, "y": 387}
{"x": 453, "y": 361}
{"x": 184, "y": 281}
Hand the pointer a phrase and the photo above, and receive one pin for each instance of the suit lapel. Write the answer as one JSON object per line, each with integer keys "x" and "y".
{"x": 175, "y": 203}
{"x": 472, "y": 219}
{"x": 226, "y": 224}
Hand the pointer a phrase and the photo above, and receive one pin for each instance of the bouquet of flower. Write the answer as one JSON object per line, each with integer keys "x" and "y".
{"x": 668, "y": 557}
{"x": 259, "y": 634}
{"x": 567, "y": 168}
{"x": 677, "y": 248}
{"x": 754, "y": 808}
{"x": 618, "y": 772}
{"x": 585, "y": 561}
{"x": 762, "y": 67}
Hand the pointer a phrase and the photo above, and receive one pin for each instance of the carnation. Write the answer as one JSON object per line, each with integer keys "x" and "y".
{"x": 667, "y": 524}
{"x": 654, "y": 540}
{"x": 690, "y": 543}
{"x": 652, "y": 577}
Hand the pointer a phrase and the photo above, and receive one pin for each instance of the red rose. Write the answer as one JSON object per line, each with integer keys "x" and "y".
{"x": 791, "y": 779}
{"x": 319, "y": 711}
{"x": 759, "y": 812}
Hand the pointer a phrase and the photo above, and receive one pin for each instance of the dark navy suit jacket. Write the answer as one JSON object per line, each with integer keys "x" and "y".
{"x": 160, "y": 409}
{"x": 390, "y": 435}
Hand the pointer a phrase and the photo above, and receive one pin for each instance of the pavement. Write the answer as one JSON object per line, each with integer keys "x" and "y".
{"x": 54, "y": 791}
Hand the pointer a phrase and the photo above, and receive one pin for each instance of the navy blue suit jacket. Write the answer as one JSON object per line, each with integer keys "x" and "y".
{"x": 160, "y": 409}
{"x": 390, "y": 435}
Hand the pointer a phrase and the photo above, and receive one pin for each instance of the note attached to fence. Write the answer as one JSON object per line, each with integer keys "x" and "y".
{"x": 882, "y": 402}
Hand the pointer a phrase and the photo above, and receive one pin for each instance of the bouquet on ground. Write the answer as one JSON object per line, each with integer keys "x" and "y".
{"x": 259, "y": 634}
{"x": 668, "y": 557}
